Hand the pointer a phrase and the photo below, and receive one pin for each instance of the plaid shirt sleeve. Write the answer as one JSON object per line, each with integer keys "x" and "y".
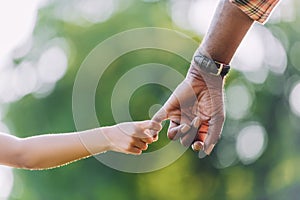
{"x": 258, "y": 10}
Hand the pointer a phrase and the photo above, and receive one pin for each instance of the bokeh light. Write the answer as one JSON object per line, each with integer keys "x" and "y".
{"x": 52, "y": 65}
{"x": 294, "y": 99}
{"x": 258, "y": 77}
{"x": 16, "y": 24}
{"x": 200, "y": 15}
{"x": 225, "y": 153}
{"x": 7, "y": 93}
{"x": 24, "y": 79}
{"x": 86, "y": 12}
{"x": 3, "y": 127}
{"x": 192, "y": 15}
{"x": 275, "y": 54}
{"x": 250, "y": 54}
{"x": 294, "y": 55}
{"x": 179, "y": 11}
{"x": 19, "y": 80}
{"x": 6, "y": 182}
{"x": 285, "y": 11}
{"x": 259, "y": 53}
{"x": 238, "y": 100}
{"x": 251, "y": 143}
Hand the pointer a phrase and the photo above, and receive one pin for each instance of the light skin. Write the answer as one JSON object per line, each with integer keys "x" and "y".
{"x": 196, "y": 107}
{"x": 53, "y": 150}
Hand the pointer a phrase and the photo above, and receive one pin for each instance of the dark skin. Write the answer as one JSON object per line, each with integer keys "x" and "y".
{"x": 196, "y": 107}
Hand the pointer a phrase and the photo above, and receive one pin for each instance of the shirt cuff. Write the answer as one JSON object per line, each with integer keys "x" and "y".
{"x": 258, "y": 10}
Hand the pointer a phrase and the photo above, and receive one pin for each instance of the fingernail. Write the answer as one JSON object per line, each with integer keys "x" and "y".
{"x": 185, "y": 128}
{"x": 209, "y": 149}
{"x": 197, "y": 122}
{"x": 194, "y": 147}
{"x": 197, "y": 146}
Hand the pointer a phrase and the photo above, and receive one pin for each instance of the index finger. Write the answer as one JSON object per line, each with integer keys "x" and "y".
{"x": 160, "y": 115}
{"x": 152, "y": 125}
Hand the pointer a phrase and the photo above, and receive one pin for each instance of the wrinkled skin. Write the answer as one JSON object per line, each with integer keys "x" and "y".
{"x": 195, "y": 110}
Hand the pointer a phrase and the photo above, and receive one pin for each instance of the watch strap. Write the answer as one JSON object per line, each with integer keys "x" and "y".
{"x": 210, "y": 66}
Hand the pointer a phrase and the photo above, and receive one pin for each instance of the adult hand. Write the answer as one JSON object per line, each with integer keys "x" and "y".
{"x": 195, "y": 109}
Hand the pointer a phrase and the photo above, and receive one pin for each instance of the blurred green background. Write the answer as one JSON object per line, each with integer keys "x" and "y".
{"x": 257, "y": 157}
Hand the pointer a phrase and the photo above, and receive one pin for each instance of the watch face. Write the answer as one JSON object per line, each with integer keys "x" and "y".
{"x": 206, "y": 64}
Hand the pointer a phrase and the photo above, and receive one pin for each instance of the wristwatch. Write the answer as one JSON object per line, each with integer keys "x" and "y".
{"x": 210, "y": 66}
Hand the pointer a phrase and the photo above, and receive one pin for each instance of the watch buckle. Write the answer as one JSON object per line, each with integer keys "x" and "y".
{"x": 221, "y": 66}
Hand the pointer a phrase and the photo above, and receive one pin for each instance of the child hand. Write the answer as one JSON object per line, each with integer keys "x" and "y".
{"x": 131, "y": 137}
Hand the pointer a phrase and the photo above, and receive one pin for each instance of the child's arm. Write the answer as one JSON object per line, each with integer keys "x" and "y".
{"x": 52, "y": 150}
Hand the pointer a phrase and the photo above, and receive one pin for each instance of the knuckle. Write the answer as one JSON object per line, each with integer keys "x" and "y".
{"x": 145, "y": 147}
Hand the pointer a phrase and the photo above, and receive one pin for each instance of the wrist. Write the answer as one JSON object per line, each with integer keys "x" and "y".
{"x": 95, "y": 141}
{"x": 208, "y": 65}
{"x": 106, "y": 133}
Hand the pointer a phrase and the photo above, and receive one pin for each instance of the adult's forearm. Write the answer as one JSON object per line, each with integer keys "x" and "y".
{"x": 227, "y": 29}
